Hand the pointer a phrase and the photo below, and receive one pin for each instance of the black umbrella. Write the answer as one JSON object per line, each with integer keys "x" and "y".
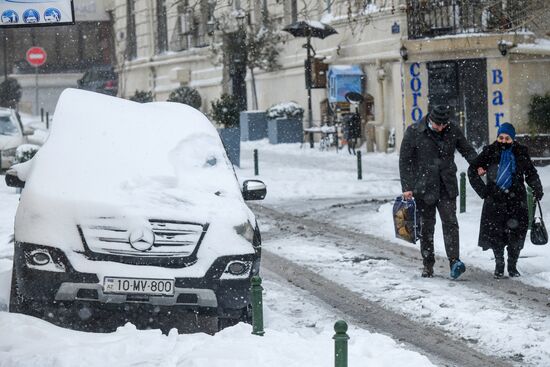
{"x": 308, "y": 29}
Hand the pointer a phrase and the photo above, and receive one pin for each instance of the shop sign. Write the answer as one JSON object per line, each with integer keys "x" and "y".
{"x": 497, "y": 77}
{"x": 33, "y": 13}
{"x": 416, "y": 89}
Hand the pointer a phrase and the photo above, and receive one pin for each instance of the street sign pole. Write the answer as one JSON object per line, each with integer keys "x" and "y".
{"x": 36, "y": 57}
{"x": 36, "y": 88}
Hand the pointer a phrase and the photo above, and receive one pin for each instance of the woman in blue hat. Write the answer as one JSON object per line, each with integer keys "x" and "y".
{"x": 504, "y": 218}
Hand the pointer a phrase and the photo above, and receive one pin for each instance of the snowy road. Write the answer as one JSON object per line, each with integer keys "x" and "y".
{"x": 505, "y": 319}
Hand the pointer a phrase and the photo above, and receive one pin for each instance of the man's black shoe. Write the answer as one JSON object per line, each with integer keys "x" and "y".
{"x": 428, "y": 271}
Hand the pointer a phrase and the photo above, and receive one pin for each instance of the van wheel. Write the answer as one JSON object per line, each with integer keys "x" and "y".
{"x": 242, "y": 315}
{"x": 18, "y": 303}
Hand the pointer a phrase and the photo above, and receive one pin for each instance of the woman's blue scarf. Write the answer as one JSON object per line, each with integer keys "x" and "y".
{"x": 506, "y": 169}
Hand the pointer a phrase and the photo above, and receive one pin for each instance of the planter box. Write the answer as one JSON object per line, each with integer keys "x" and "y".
{"x": 285, "y": 131}
{"x": 539, "y": 147}
{"x": 231, "y": 139}
{"x": 253, "y": 125}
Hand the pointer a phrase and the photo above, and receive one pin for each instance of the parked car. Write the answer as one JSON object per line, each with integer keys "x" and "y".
{"x": 100, "y": 79}
{"x": 12, "y": 135}
{"x": 133, "y": 212}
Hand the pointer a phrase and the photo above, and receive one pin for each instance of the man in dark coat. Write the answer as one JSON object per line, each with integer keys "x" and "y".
{"x": 352, "y": 128}
{"x": 428, "y": 172}
{"x": 504, "y": 218}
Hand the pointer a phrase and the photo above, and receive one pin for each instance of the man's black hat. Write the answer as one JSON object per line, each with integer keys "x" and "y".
{"x": 440, "y": 114}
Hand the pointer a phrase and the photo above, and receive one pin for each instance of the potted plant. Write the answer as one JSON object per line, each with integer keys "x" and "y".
{"x": 225, "y": 111}
{"x": 538, "y": 140}
{"x": 284, "y": 124}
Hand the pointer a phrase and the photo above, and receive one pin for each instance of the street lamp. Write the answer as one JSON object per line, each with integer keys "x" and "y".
{"x": 504, "y": 46}
{"x": 211, "y": 27}
{"x": 404, "y": 53}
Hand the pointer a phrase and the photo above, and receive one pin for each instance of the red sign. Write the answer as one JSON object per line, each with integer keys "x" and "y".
{"x": 36, "y": 56}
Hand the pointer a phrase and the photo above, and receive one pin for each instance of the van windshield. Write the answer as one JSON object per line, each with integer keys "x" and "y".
{"x": 7, "y": 127}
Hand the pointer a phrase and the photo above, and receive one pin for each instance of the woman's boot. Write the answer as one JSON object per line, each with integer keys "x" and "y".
{"x": 499, "y": 262}
{"x": 513, "y": 256}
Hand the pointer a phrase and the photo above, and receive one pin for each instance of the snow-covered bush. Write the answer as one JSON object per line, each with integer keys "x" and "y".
{"x": 10, "y": 93}
{"x": 25, "y": 152}
{"x": 225, "y": 111}
{"x": 285, "y": 110}
{"x": 186, "y": 95}
{"x": 142, "y": 96}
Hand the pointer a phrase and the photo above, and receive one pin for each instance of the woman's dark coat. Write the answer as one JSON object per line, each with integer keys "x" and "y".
{"x": 504, "y": 218}
{"x": 427, "y": 160}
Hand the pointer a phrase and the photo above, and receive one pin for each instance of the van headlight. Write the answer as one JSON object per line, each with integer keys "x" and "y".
{"x": 246, "y": 230}
{"x": 237, "y": 270}
{"x": 41, "y": 259}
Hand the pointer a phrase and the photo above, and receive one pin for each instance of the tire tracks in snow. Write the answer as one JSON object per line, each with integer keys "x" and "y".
{"x": 430, "y": 339}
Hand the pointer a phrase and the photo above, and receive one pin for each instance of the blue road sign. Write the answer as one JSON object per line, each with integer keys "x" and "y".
{"x": 31, "y": 16}
{"x": 52, "y": 15}
{"x": 9, "y": 17}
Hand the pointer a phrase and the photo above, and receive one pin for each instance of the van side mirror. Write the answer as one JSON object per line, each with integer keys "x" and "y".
{"x": 254, "y": 190}
{"x": 12, "y": 180}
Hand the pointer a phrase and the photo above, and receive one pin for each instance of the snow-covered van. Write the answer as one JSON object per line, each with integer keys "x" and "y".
{"x": 12, "y": 135}
{"x": 132, "y": 212}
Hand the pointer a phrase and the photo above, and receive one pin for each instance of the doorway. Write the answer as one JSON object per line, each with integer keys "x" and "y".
{"x": 462, "y": 84}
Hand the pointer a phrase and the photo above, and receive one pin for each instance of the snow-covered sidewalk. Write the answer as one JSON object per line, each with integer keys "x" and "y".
{"x": 303, "y": 174}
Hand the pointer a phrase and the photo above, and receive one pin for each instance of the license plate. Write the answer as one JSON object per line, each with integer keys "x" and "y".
{"x": 157, "y": 287}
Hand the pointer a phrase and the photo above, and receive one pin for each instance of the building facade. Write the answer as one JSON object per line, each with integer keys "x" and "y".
{"x": 485, "y": 61}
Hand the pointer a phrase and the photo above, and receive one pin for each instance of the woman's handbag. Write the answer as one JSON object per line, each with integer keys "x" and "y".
{"x": 539, "y": 235}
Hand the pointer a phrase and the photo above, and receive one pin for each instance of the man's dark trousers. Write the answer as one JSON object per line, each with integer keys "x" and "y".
{"x": 447, "y": 212}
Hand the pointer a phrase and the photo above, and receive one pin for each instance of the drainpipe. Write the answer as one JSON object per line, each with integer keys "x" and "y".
{"x": 380, "y": 134}
{"x": 153, "y": 8}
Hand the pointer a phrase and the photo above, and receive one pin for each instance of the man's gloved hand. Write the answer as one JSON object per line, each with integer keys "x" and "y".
{"x": 538, "y": 195}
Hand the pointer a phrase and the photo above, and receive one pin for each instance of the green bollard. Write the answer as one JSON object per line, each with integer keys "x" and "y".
{"x": 257, "y": 306}
{"x": 47, "y": 120}
{"x": 463, "y": 192}
{"x": 256, "y": 167}
{"x": 41, "y": 114}
{"x": 530, "y": 205}
{"x": 340, "y": 344}
{"x": 359, "y": 166}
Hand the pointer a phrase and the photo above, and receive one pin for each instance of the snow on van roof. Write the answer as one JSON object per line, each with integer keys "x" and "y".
{"x": 104, "y": 148}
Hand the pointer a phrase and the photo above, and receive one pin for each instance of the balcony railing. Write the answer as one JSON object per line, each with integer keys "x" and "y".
{"x": 432, "y": 18}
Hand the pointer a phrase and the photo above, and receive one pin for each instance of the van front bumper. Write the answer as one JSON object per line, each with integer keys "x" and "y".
{"x": 69, "y": 285}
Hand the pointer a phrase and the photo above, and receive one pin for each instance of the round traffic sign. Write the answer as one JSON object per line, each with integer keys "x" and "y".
{"x": 36, "y": 56}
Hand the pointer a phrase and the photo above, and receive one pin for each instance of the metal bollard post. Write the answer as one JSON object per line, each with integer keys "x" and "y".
{"x": 257, "y": 306}
{"x": 530, "y": 205}
{"x": 256, "y": 168}
{"x": 359, "y": 166}
{"x": 41, "y": 114}
{"x": 47, "y": 120}
{"x": 340, "y": 344}
{"x": 463, "y": 192}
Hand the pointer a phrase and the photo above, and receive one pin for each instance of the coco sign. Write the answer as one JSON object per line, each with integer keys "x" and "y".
{"x": 36, "y": 56}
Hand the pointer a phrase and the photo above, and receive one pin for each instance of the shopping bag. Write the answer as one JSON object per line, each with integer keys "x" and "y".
{"x": 405, "y": 220}
{"x": 539, "y": 235}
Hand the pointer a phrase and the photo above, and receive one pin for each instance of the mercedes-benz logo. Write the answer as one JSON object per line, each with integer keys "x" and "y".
{"x": 142, "y": 239}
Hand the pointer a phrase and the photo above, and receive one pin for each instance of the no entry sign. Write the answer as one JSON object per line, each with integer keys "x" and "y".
{"x": 36, "y": 56}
